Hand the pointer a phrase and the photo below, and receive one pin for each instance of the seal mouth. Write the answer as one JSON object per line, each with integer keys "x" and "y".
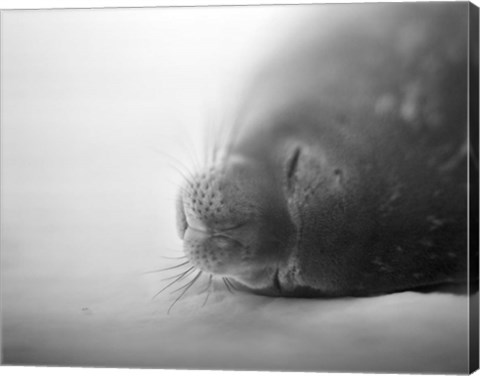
{"x": 211, "y": 251}
{"x": 222, "y": 253}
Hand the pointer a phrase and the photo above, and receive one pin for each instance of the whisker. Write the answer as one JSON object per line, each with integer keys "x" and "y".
{"x": 182, "y": 276}
{"x": 216, "y": 149}
{"x": 189, "y": 147}
{"x": 173, "y": 159}
{"x": 185, "y": 143}
{"x": 174, "y": 258}
{"x": 179, "y": 274}
{"x": 190, "y": 284}
{"x": 169, "y": 268}
{"x": 181, "y": 287}
{"x": 175, "y": 250}
{"x": 208, "y": 290}
{"x": 183, "y": 172}
{"x": 217, "y": 138}
{"x": 232, "y": 285}
{"x": 226, "y": 284}
{"x": 220, "y": 139}
{"x": 191, "y": 154}
{"x": 210, "y": 278}
{"x": 207, "y": 139}
{"x": 214, "y": 135}
{"x": 187, "y": 176}
{"x": 172, "y": 183}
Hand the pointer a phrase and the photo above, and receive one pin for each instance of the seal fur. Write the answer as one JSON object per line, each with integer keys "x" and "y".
{"x": 347, "y": 173}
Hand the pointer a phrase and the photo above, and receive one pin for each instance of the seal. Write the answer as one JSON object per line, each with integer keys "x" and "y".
{"x": 346, "y": 173}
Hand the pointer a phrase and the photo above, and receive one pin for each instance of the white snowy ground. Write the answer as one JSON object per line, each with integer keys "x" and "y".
{"x": 92, "y": 104}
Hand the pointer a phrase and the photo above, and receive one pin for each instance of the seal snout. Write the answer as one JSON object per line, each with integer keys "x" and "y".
{"x": 215, "y": 229}
{"x": 234, "y": 222}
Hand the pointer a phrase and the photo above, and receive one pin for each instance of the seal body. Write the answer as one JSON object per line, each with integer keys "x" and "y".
{"x": 346, "y": 173}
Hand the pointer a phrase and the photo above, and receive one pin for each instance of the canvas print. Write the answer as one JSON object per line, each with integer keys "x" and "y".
{"x": 287, "y": 188}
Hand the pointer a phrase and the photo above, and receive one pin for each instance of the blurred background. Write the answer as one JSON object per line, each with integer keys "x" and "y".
{"x": 102, "y": 112}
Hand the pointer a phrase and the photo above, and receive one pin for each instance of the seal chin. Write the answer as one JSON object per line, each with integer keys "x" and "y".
{"x": 278, "y": 281}
{"x": 264, "y": 281}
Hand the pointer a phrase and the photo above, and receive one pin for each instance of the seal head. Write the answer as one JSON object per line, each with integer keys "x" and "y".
{"x": 348, "y": 174}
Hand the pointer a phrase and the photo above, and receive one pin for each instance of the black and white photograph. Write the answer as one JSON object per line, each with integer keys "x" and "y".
{"x": 289, "y": 187}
